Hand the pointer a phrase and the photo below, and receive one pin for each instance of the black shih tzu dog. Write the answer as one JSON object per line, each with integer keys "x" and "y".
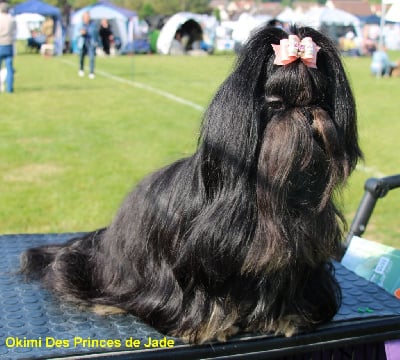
{"x": 239, "y": 236}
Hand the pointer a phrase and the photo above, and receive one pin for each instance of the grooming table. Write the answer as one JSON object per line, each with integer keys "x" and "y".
{"x": 34, "y": 324}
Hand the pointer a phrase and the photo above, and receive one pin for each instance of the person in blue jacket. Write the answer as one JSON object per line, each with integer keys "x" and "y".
{"x": 87, "y": 43}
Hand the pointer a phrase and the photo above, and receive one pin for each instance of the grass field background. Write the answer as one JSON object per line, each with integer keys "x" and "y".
{"x": 71, "y": 148}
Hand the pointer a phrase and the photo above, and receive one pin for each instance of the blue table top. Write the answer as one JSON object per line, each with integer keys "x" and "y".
{"x": 34, "y": 324}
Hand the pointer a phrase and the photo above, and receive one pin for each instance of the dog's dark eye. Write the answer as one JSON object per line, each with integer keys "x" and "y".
{"x": 274, "y": 102}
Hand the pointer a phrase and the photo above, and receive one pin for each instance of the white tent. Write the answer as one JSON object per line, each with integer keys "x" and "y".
{"x": 123, "y": 22}
{"x": 246, "y": 24}
{"x": 208, "y": 25}
{"x": 325, "y": 15}
{"x": 393, "y": 13}
{"x": 27, "y": 22}
{"x": 335, "y": 23}
{"x": 390, "y": 34}
{"x": 288, "y": 15}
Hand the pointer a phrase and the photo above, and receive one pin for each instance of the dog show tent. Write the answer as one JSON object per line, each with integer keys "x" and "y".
{"x": 27, "y": 22}
{"x": 288, "y": 15}
{"x": 393, "y": 14}
{"x": 41, "y": 8}
{"x": 246, "y": 24}
{"x": 123, "y": 22}
{"x": 390, "y": 13}
{"x": 335, "y": 23}
{"x": 37, "y": 7}
{"x": 232, "y": 34}
{"x": 315, "y": 17}
{"x": 207, "y": 23}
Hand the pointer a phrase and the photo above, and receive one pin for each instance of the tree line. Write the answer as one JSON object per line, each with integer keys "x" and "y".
{"x": 142, "y": 7}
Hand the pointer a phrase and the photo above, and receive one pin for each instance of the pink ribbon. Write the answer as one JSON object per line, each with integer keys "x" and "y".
{"x": 291, "y": 49}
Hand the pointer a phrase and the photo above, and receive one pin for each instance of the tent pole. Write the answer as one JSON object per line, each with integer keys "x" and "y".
{"x": 133, "y": 53}
{"x": 382, "y": 24}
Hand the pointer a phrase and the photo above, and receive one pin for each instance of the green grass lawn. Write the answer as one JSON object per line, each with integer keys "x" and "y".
{"x": 379, "y": 129}
{"x": 71, "y": 148}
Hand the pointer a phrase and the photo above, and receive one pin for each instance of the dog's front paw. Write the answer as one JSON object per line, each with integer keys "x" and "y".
{"x": 207, "y": 336}
{"x": 224, "y": 335}
{"x": 106, "y": 310}
{"x": 287, "y": 326}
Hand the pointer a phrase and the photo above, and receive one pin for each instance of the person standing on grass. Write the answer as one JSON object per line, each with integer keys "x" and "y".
{"x": 8, "y": 30}
{"x": 106, "y": 36}
{"x": 87, "y": 44}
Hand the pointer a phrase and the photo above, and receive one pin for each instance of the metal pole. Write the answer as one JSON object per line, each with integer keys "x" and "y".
{"x": 382, "y": 24}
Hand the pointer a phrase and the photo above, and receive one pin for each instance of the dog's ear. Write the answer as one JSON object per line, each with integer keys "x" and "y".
{"x": 339, "y": 95}
{"x": 231, "y": 128}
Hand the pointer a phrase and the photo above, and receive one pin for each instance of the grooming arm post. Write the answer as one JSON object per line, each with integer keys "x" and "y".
{"x": 374, "y": 189}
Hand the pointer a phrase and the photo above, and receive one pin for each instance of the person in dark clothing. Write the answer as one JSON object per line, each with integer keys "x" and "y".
{"x": 106, "y": 36}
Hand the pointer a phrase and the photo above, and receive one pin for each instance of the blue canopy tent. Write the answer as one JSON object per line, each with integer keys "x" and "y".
{"x": 40, "y": 7}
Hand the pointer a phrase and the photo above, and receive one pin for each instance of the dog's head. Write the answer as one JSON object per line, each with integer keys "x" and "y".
{"x": 286, "y": 137}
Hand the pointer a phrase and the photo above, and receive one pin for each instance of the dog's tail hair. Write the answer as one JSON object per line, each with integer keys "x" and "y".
{"x": 56, "y": 267}
{"x": 34, "y": 262}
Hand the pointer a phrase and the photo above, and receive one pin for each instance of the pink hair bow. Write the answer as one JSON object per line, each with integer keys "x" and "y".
{"x": 291, "y": 49}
